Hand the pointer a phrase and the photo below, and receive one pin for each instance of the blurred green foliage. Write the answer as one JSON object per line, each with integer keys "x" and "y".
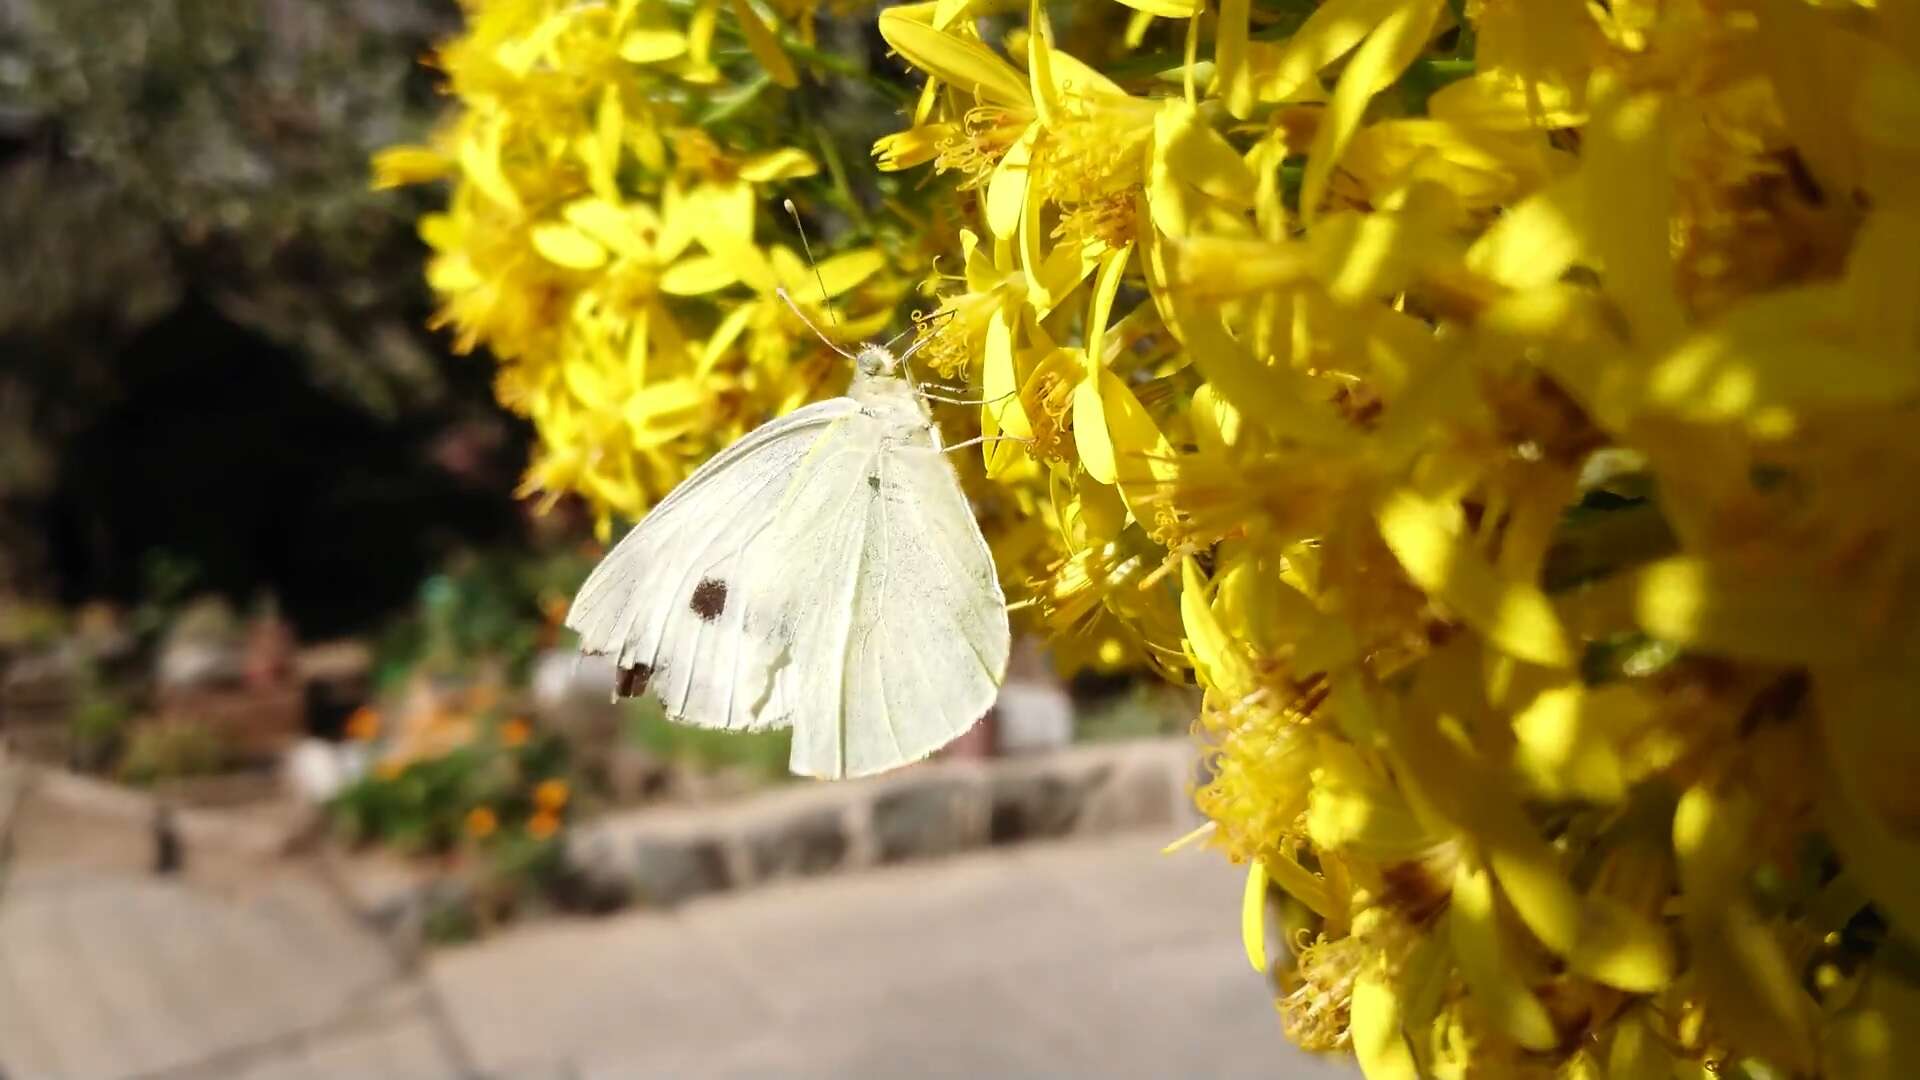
{"x": 97, "y": 720}
{"x": 429, "y": 804}
{"x": 172, "y": 154}
{"x": 760, "y": 754}
{"x": 494, "y": 608}
{"x": 172, "y": 749}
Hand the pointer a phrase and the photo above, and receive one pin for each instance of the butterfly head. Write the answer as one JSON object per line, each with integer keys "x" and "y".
{"x": 876, "y": 361}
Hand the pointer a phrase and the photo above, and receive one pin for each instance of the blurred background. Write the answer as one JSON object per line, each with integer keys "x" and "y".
{"x": 300, "y": 776}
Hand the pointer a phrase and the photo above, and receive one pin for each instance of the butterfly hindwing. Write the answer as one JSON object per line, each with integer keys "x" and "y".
{"x": 911, "y": 649}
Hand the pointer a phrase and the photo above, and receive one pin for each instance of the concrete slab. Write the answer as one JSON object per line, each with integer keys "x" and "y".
{"x": 1089, "y": 958}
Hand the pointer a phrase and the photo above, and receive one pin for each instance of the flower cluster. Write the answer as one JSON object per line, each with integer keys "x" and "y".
{"x": 452, "y": 768}
{"x": 613, "y": 161}
{"x": 1499, "y": 408}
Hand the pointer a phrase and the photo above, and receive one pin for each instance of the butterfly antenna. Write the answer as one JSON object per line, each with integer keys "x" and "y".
{"x": 802, "y": 316}
{"x": 825, "y": 300}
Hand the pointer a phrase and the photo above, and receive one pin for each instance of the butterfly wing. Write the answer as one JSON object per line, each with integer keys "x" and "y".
{"x": 904, "y": 643}
{"x": 824, "y": 573}
{"x": 690, "y": 602}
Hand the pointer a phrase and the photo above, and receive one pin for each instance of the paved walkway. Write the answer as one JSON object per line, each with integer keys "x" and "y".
{"x": 1096, "y": 959}
{"x": 1093, "y": 958}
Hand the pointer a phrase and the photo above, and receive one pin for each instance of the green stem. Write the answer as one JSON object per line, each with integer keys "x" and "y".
{"x": 837, "y": 169}
{"x": 721, "y": 110}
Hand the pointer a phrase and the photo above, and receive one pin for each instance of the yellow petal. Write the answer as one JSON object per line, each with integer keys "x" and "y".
{"x": 1751, "y": 988}
{"x": 1033, "y": 258}
{"x": 1718, "y": 609}
{"x": 1879, "y": 1037}
{"x": 1253, "y": 915}
{"x": 1883, "y": 277}
{"x": 1428, "y": 538}
{"x": 1772, "y": 358}
{"x": 652, "y": 45}
{"x": 1105, "y": 285}
{"x": 398, "y": 166}
{"x": 1636, "y": 1050}
{"x": 480, "y": 160}
{"x": 1090, "y": 437}
{"x": 1046, "y": 94}
{"x": 1231, "y": 79}
{"x": 915, "y": 146}
{"x": 1007, "y": 187}
{"x": 1116, "y": 438}
{"x": 1535, "y": 241}
{"x": 765, "y": 45}
{"x": 1598, "y": 937}
{"x": 1564, "y": 744}
{"x": 1629, "y": 196}
{"x": 999, "y": 385}
{"x": 1374, "y": 1020}
{"x": 1281, "y": 399}
{"x": 1197, "y": 155}
{"x": 608, "y": 224}
{"x": 697, "y": 275}
{"x": 966, "y": 65}
{"x": 1473, "y": 925}
{"x": 1168, "y": 9}
{"x": 1216, "y": 655}
{"x": 564, "y": 245}
{"x": 1868, "y": 800}
{"x": 1814, "y": 62}
{"x": 849, "y": 269}
{"x": 1354, "y": 807}
{"x": 785, "y": 164}
{"x": 1334, "y": 28}
{"x": 1500, "y": 101}
{"x": 1379, "y": 61}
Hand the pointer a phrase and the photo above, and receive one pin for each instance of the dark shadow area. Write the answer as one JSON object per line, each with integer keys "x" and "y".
{"x": 224, "y": 464}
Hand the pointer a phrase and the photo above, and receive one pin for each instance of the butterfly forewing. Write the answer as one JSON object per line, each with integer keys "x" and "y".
{"x": 671, "y": 603}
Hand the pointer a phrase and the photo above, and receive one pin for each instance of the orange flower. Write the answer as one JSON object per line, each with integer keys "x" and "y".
{"x": 550, "y": 795}
{"x": 364, "y": 724}
{"x": 543, "y": 825}
{"x": 481, "y": 822}
{"x": 515, "y": 732}
{"x": 389, "y": 770}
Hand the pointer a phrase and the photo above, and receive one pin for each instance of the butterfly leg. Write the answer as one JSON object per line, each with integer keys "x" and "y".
{"x": 978, "y": 439}
{"x": 963, "y": 401}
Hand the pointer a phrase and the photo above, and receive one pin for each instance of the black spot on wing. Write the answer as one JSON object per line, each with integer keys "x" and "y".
{"x": 632, "y": 681}
{"x": 709, "y": 598}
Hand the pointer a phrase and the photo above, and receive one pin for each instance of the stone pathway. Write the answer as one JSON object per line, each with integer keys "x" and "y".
{"x": 1094, "y": 958}
{"x": 1087, "y": 957}
{"x": 227, "y": 971}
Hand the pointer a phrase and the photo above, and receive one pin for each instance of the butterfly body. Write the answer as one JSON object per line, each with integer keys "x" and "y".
{"x": 824, "y": 573}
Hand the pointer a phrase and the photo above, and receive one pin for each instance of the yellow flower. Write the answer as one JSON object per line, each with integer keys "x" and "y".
{"x": 515, "y": 733}
{"x": 551, "y": 794}
{"x": 481, "y": 822}
{"x": 542, "y": 825}
{"x": 363, "y": 725}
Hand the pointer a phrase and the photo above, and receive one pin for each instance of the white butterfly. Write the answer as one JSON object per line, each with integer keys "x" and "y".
{"x": 824, "y": 573}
